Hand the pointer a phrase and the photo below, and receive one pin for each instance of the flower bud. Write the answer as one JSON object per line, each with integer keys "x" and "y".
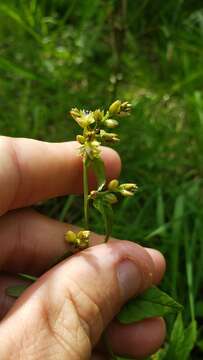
{"x": 70, "y": 237}
{"x": 113, "y": 185}
{"x": 83, "y": 239}
{"x": 115, "y": 107}
{"x": 75, "y": 113}
{"x": 93, "y": 194}
{"x": 126, "y": 105}
{"x": 111, "y": 198}
{"x": 109, "y": 137}
{"x": 80, "y": 139}
{"x": 129, "y": 187}
{"x": 126, "y": 193}
{"x": 125, "y": 108}
{"x": 111, "y": 123}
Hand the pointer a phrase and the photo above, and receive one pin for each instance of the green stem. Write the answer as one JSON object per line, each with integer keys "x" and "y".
{"x": 107, "y": 238}
{"x": 108, "y": 347}
{"x": 86, "y": 192}
{"x": 60, "y": 258}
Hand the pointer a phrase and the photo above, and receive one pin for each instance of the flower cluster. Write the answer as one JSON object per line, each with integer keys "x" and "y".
{"x": 127, "y": 189}
{"x": 78, "y": 241}
{"x": 95, "y": 125}
{"x": 114, "y": 188}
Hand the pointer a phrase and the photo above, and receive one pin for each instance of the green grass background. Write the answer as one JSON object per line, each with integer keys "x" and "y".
{"x": 55, "y": 54}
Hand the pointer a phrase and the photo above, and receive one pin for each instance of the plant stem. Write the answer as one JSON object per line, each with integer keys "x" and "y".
{"x": 60, "y": 258}
{"x": 86, "y": 191}
{"x": 107, "y": 238}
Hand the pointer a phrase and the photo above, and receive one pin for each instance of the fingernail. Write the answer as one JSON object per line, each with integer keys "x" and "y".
{"x": 129, "y": 278}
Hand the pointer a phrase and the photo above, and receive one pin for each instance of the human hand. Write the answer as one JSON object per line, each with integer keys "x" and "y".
{"x": 63, "y": 314}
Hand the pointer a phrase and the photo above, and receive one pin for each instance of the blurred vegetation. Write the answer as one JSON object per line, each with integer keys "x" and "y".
{"x": 59, "y": 54}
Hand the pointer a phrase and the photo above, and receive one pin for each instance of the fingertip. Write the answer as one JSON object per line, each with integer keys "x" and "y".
{"x": 137, "y": 340}
{"x": 159, "y": 264}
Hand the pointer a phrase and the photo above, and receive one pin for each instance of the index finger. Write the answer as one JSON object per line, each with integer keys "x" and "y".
{"x": 33, "y": 170}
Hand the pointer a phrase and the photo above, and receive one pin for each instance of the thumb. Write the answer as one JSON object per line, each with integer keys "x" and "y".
{"x": 68, "y": 308}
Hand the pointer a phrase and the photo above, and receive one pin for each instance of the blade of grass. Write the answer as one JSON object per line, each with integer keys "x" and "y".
{"x": 8, "y": 66}
{"x": 66, "y": 207}
{"x": 176, "y": 236}
{"x": 189, "y": 271}
{"x": 199, "y": 263}
{"x": 14, "y": 15}
{"x": 160, "y": 209}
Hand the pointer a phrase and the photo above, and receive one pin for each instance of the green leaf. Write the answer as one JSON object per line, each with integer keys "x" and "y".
{"x": 176, "y": 339}
{"x": 106, "y": 211}
{"x": 182, "y": 340}
{"x": 154, "y": 302}
{"x": 99, "y": 170}
{"x": 27, "y": 277}
{"x": 16, "y": 291}
{"x": 159, "y": 355}
{"x": 189, "y": 340}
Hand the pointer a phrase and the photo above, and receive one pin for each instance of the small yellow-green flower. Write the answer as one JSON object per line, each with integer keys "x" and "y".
{"x": 82, "y": 117}
{"x": 98, "y": 115}
{"x": 86, "y": 119}
{"x": 91, "y": 149}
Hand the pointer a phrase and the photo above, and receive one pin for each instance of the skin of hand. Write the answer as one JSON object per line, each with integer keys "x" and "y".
{"x": 64, "y": 314}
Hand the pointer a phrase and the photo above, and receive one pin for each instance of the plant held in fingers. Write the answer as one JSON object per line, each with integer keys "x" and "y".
{"x": 96, "y": 127}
